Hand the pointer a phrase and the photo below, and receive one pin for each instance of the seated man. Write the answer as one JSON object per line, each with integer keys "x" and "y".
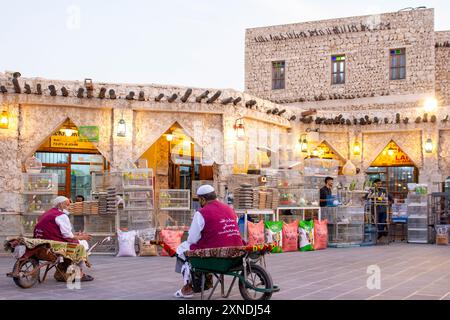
{"x": 213, "y": 226}
{"x": 55, "y": 225}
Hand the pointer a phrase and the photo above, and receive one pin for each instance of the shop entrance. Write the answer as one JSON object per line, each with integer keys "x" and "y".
{"x": 395, "y": 169}
{"x": 73, "y": 160}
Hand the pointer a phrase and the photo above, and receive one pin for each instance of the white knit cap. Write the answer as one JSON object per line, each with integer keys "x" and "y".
{"x": 58, "y": 200}
{"x": 205, "y": 189}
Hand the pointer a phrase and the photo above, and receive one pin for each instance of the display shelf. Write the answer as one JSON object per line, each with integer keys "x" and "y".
{"x": 176, "y": 199}
{"x": 100, "y": 224}
{"x": 40, "y": 183}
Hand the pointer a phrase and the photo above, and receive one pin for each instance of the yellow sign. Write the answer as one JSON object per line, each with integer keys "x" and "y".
{"x": 392, "y": 155}
{"x": 325, "y": 152}
{"x": 72, "y": 142}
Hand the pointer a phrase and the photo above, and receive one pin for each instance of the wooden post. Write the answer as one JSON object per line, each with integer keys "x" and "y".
{"x": 214, "y": 97}
{"x": 186, "y": 95}
{"x": 173, "y": 97}
{"x": 202, "y": 96}
{"x": 159, "y": 97}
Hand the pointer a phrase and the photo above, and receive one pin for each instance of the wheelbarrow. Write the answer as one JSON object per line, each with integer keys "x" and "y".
{"x": 26, "y": 270}
{"x": 245, "y": 264}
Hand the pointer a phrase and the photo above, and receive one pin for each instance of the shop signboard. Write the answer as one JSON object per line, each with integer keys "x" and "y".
{"x": 89, "y": 133}
{"x": 72, "y": 142}
{"x": 392, "y": 155}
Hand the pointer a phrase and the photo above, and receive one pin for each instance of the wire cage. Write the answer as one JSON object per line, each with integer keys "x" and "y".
{"x": 174, "y": 199}
{"x": 439, "y": 209}
{"x": 107, "y": 248}
{"x": 100, "y": 224}
{"x": 101, "y": 181}
{"x": 345, "y": 224}
{"x": 40, "y": 183}
{"x": 170, "y": 218}
{"x": 38, "y": 203}
{"x": 138, "y": 200}
{"x": 298, "y": 197}
{"x": 321, "y": 167}
{"x": 28, "y": 224}
{"x": 137, "y": 179}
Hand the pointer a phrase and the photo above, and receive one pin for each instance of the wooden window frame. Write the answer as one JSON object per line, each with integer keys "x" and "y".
{"x": 278, "y": 76}
{"x": 339, "y": 73}
{"x": 395, "y": 70}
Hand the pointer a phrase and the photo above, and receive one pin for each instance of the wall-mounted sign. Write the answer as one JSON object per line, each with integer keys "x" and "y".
{"x": 69, "y": 143}
{"x": 89, "y": 133}
{"x": 392, "y": 155}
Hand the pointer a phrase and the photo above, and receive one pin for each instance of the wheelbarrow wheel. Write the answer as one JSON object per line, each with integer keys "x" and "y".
{"x": 25, "y": 267}
{"x": 258, "y": 277}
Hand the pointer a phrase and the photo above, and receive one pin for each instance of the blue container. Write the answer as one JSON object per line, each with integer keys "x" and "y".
{"x": 331, "y": 201}
{"x": 370, "y": 235}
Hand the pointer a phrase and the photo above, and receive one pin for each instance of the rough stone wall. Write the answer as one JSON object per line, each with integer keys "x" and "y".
{"x": 444, "y": 152}
{"x": 39, "y": 122}
{"x": 308, "y": 59}
{"x": 443, "y": 65}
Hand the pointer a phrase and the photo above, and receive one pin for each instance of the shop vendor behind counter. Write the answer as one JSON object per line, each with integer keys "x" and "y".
{"x": 325, "y": 192}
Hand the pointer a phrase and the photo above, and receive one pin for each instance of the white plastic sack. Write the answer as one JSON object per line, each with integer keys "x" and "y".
{"x": 126, "y": 242}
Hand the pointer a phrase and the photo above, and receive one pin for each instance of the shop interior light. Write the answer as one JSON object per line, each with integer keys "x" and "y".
{"x": 315, "y": 152}
{"x": 391, "y": 151}
{"x": 429, "y": 146}
{"x": 4, "y": 120}
{"x": 68, "y": 132}
{"x": 430, "y": 104}
{"x": 187, "y": 143}
{"x": 239, "y": 128}
{"x": 356, "y": 148}
{"x": 169, "y": 137}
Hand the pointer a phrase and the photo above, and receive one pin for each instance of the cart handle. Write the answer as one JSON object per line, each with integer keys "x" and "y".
{"x": 165, "y": 246}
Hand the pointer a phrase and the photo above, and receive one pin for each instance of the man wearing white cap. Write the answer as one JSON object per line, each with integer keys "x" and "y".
{"x": 213, "y": 226}
{"x": 55, "y": 225}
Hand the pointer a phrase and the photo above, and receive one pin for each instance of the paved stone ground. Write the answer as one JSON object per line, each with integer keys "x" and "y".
{"x": 408, "y": 271}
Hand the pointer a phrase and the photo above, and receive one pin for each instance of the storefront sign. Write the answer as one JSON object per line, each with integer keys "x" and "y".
{"x": 392, "y": 155}
{"x": 89, "y": 133}
{"x": 69, "y": 143}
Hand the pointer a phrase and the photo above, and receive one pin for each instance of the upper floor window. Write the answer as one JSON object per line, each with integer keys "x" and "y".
{"x": 278, "y": 75}
{"x": 338, "y": 69}
{"x": 398, "y": 64}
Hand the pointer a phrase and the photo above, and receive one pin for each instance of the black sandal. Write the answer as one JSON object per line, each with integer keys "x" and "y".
{"x": 87, "y": 277}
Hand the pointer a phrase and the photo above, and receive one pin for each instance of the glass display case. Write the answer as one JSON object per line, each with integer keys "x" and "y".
{"x": 345, "y": 225}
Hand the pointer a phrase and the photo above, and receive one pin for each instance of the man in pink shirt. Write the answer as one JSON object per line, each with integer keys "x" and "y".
{"x": 213, "y": 226}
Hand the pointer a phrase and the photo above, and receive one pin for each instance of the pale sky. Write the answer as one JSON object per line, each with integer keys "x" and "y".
{"x": 198, "y": 43}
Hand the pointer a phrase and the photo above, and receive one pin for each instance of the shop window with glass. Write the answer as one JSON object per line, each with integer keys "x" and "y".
{"x": 73, "y": 169}
{"x": 394, "y": 179}
{"x": 397, "y": 64}
{"x": 278, "y": 75}
{"x": 338, "y": 69}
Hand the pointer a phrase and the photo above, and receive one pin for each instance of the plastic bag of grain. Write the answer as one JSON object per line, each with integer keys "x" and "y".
{"x": 320, "y": 234}
{"x": 442, "y": 234}
{"x": 274, "y": 234}
{"x": 255, "y": 232}
{"x": 290, "y": 236}
{"x": 306, "y": 235}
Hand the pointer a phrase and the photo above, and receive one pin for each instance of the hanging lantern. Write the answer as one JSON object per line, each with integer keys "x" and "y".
{"x": 356, "y": 148}
{"x": 315, "y": 152}
{"x": 4, "y": 120}
{"x": 239, "y": 128}
{"x": 122, "y": 128}
{"x": 429, "y": 146}
{"x": 303, "y": 143}
{"x": 68, "y": 132}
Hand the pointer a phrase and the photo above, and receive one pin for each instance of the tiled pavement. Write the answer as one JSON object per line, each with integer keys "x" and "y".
{"x": 407, "y": 271}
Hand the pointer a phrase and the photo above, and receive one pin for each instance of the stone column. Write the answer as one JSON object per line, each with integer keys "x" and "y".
{"x": 430, "y": 173}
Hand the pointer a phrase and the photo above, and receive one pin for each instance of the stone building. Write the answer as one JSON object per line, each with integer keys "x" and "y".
{"x": 364, "y": 79}
{"x": 38, "y": 110}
